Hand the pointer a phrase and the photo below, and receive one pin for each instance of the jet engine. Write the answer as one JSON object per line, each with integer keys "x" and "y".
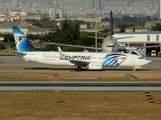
{"x": 85, "y": 51}
{"x": 95, "y": 66}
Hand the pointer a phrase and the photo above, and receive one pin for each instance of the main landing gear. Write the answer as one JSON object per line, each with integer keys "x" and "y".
{"x": 79, "y": 68}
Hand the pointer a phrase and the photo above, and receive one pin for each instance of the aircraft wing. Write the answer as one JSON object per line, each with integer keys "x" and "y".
{"x": 153, "y": 46}
{"x": 102, "y": 38}
{"x": 116, "y": 38}
{"x": 77, "y": 46}
{"x": 18, "y": 53}
{"x": 125, "y": 37}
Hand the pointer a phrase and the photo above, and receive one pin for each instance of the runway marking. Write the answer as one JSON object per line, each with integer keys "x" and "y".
{"x": 133, "y": 77}
{"x": 47, "y": 76}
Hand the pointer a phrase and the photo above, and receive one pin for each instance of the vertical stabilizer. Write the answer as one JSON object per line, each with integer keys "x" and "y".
{"x": 111, "y": 24}
{"x": 22, "y": 43}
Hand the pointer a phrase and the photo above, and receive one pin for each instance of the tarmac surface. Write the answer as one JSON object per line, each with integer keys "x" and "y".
{"x": 81, "y": 86}
{"x": 17, "y": 64}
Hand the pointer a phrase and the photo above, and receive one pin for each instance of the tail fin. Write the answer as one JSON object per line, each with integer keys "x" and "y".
{"x": 22, "y": 43}
{"x": 111, "y": 24}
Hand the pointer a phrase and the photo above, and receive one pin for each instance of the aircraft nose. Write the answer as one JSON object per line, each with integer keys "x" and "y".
{"x": 149, "y": 61}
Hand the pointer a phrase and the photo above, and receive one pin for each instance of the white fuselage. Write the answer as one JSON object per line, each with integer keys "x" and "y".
{"x": 106, "y": 59}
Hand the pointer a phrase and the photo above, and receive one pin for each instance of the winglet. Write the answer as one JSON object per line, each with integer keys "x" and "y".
{"x": 111, "y": 24}
{"x": 60, "y": 53}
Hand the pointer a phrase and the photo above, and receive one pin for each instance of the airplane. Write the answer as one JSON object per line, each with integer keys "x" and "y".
{"x": 91, "y": 60}
{"x": 109, "y": 44}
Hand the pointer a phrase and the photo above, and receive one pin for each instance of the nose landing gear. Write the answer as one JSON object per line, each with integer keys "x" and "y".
{"x": 79, "y": 68}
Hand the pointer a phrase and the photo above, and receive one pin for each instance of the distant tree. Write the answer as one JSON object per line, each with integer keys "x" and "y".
{"x": 105, "y": 19}
{"x": 86, "y": 41}
{"x": 122, "y": 27}
{"x": 8, "y": 37}
{"x": 65, "y": 25}
{"x": 76, "y": 32}
{"x": 12, "y": 45}
{"x": 104, "y": 31}
{"x": 157, "y": 27}
{"x": 133, "y": 28}
{"x": 45, "y": 20}
{"x": 2, "y": 46}
{"x": 148, "y": 18}
{"x": 50, "y": 48}
{"x": 68, "y": 34}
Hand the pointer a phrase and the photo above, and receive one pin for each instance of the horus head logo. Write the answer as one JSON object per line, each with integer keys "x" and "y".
{"x": 18, "y": 38}
{"x": 114, "y": 59}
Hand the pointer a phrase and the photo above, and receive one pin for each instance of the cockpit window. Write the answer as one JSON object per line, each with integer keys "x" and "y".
{"x": 140, "y": 55}
{"x": 109, "y": 46}
{"x": 136, "y": 52}
{"x": 132, "y": 52}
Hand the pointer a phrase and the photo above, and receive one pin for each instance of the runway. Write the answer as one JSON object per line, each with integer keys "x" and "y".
{"x": 17, "y": 64}
{"x": 81, "y": 86}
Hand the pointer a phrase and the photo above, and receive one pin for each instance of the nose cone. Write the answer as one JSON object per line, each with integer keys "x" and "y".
{"x": 106, "y": 49}
{"x": 147, "y": 61}
{"x": 107, "y": 46}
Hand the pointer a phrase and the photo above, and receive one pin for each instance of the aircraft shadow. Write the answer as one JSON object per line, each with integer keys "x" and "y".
{"x": 86, "y": 69}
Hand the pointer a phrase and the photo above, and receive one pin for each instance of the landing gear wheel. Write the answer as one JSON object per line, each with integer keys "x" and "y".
{"x": 79, "y": 68}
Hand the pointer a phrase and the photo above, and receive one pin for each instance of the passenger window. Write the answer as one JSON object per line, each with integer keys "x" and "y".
{"x": 109, "y": 45}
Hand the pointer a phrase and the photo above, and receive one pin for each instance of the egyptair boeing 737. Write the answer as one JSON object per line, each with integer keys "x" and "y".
{"x": 92, "y": 60}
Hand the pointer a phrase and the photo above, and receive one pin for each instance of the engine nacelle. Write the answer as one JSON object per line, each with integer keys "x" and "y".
{"x": 85, "y": 51}
{"x": 95, "y": 66}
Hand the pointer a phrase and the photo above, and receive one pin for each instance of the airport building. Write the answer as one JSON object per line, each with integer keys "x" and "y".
{"x": 141, "y": 39}
{"x": 26, "y": 28}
